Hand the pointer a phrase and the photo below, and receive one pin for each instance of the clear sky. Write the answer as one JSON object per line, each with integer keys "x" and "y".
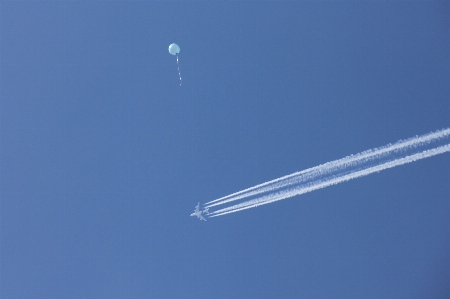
{"x": 104, "y": 156}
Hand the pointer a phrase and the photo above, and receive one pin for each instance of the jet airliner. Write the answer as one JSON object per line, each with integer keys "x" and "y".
{"x": 198, "y": 213}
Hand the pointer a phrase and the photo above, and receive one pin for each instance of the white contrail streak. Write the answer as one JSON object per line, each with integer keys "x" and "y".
{"x": 322, "y": 183}
{"x": 333, "y": 166}
{"x": 336, "y": 170}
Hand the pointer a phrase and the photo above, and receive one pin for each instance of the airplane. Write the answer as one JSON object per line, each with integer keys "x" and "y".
{"x": 198, "y": 213}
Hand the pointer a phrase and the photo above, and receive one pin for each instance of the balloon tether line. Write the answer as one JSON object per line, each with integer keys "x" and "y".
{"x": 178, "y": 65}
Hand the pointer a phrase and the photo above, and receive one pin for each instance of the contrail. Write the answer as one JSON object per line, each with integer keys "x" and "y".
{"x": 335, "y": 172}
{"x": 333, "y": 166}
{"x": 322, "y": 183}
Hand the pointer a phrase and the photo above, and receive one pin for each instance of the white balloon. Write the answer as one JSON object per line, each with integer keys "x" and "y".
{"x": 174, "y": 49}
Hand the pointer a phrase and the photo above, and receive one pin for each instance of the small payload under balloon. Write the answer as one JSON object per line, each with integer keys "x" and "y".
{"x": 174, "y": 49}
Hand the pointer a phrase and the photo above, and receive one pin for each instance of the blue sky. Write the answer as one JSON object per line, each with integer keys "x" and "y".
{"x": 104, "y": 156}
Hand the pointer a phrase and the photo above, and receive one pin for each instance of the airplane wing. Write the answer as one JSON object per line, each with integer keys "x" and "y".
{"x": 197, "y": 208}
{"x": 201, "y": 217}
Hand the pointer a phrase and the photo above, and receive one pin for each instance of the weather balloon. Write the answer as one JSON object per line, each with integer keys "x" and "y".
{"x": 174, "y": 49}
